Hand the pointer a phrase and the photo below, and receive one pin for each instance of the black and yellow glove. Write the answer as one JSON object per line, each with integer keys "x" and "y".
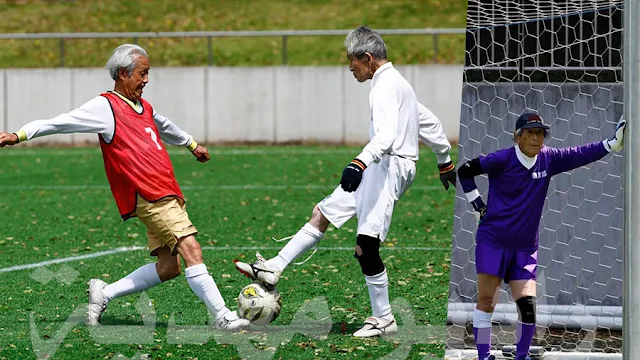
{"x": 447, "y": 174}
{"x": 352, "y": 175}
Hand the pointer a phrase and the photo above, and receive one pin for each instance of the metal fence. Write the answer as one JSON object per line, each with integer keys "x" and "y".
{"x": 210, "y": 35}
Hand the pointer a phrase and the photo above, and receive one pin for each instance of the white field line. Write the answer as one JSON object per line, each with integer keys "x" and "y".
{"x": 215, "y": 248}
{"x": 71, "y": 258}
{"x": 182, "y": 152}
{"x": 322, "y": 248}
{"x": 194, "y": 187}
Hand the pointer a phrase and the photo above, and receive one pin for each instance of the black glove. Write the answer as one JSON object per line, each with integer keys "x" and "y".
{"x": 447, "y": 174}
{"x": 352, "y": 175}
{"x": 479, "y": 207}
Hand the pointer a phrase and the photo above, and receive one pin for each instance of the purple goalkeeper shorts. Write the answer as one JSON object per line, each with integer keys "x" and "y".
{"x": 505, "y": 263}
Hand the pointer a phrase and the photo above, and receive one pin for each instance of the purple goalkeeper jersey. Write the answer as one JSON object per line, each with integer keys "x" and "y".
{"x": 517, "y": 194}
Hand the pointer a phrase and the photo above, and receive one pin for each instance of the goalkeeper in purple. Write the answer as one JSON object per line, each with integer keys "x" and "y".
{"x": 507, "y": 236}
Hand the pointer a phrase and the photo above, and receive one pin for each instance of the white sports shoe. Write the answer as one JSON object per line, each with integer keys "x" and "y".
{"x": 259, "y": 271}
{"x": 97, "y": 302}
{"x": 375, "y": 326}
{"x": 231, "y": 322}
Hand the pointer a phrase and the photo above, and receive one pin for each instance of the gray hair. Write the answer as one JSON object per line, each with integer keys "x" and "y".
{"x": 124, "y": 56}
{"x": 364, "y": 40}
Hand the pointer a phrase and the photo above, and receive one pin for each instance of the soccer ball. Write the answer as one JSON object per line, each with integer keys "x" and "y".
{"x": 259, "y": 304}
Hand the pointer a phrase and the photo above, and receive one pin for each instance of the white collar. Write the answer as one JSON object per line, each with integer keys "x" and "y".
{"x": 387, "y": 65}
{"x": 526, "y": 161}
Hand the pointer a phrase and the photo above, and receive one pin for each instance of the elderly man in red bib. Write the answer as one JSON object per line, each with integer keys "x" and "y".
{"x": 132, "y": 136}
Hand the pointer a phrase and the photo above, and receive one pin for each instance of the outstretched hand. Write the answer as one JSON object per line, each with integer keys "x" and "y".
{"x": 8, "y": 139}
{"x": 201, "y": 153}
{"x": 617, "y": 142}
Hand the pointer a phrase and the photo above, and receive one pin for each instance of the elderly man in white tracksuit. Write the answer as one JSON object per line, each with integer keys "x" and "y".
{"x": 374, "y": 181}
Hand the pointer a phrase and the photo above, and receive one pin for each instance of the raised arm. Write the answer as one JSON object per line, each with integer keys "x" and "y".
{"x": 566, "y": 159}
{"x": 432, "y": 135}
{"x": 94, "y": 116}
{"x": 172, "y": 134}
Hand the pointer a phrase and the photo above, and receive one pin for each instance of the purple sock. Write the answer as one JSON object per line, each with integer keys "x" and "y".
{"x": 524, "y": 337}
{"x": 483, "y": 341}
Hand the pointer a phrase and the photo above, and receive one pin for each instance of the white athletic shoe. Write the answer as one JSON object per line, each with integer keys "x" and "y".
{"x": 231, "y": 322}
{"x": 97, "y": 302}
{"x": 375, "y": 326}
{"x": 259, "y": 271}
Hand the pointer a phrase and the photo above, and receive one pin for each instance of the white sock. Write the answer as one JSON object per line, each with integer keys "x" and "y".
{"x": 141, "y": 279}
{"x": 306, "y": 238}
{"x": 379, "y": 294}
{"x": 205, "y": 288}
{"x": 481, "y": 319}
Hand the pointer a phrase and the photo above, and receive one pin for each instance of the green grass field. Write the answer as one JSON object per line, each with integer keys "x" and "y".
{"x": 55, "y": 204}
{"x": 222, "y": 15}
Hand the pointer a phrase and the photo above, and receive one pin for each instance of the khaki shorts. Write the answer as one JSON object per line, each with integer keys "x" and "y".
{"x": 166, "y": 221}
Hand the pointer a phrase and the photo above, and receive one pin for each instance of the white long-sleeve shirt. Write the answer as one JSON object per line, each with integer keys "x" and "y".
{"x": 432, "y": 134}
{"x": 95, "y": 117}
{"x": 398, "y": 121}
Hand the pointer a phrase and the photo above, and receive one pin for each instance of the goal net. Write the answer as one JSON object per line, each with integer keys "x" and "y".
{"x": 562, "y": 59}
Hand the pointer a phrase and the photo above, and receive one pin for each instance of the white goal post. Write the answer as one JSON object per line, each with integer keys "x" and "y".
{"x": 631, "y": 71}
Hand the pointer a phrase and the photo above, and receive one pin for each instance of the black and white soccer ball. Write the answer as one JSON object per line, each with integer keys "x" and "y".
{"x": 259, "y": 304}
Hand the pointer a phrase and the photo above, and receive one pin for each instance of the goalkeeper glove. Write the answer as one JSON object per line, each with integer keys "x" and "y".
{"x": 447, "y": 174}
{"x": 480, "y": 208}
{"x": 616, "y": 143}
{"x": 352, "y": 175}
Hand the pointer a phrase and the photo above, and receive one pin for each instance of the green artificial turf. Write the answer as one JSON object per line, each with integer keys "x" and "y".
{"x": 56, "y": 204}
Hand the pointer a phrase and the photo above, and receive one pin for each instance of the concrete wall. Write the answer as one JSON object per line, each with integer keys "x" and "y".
{"x": 217, "y": 104}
